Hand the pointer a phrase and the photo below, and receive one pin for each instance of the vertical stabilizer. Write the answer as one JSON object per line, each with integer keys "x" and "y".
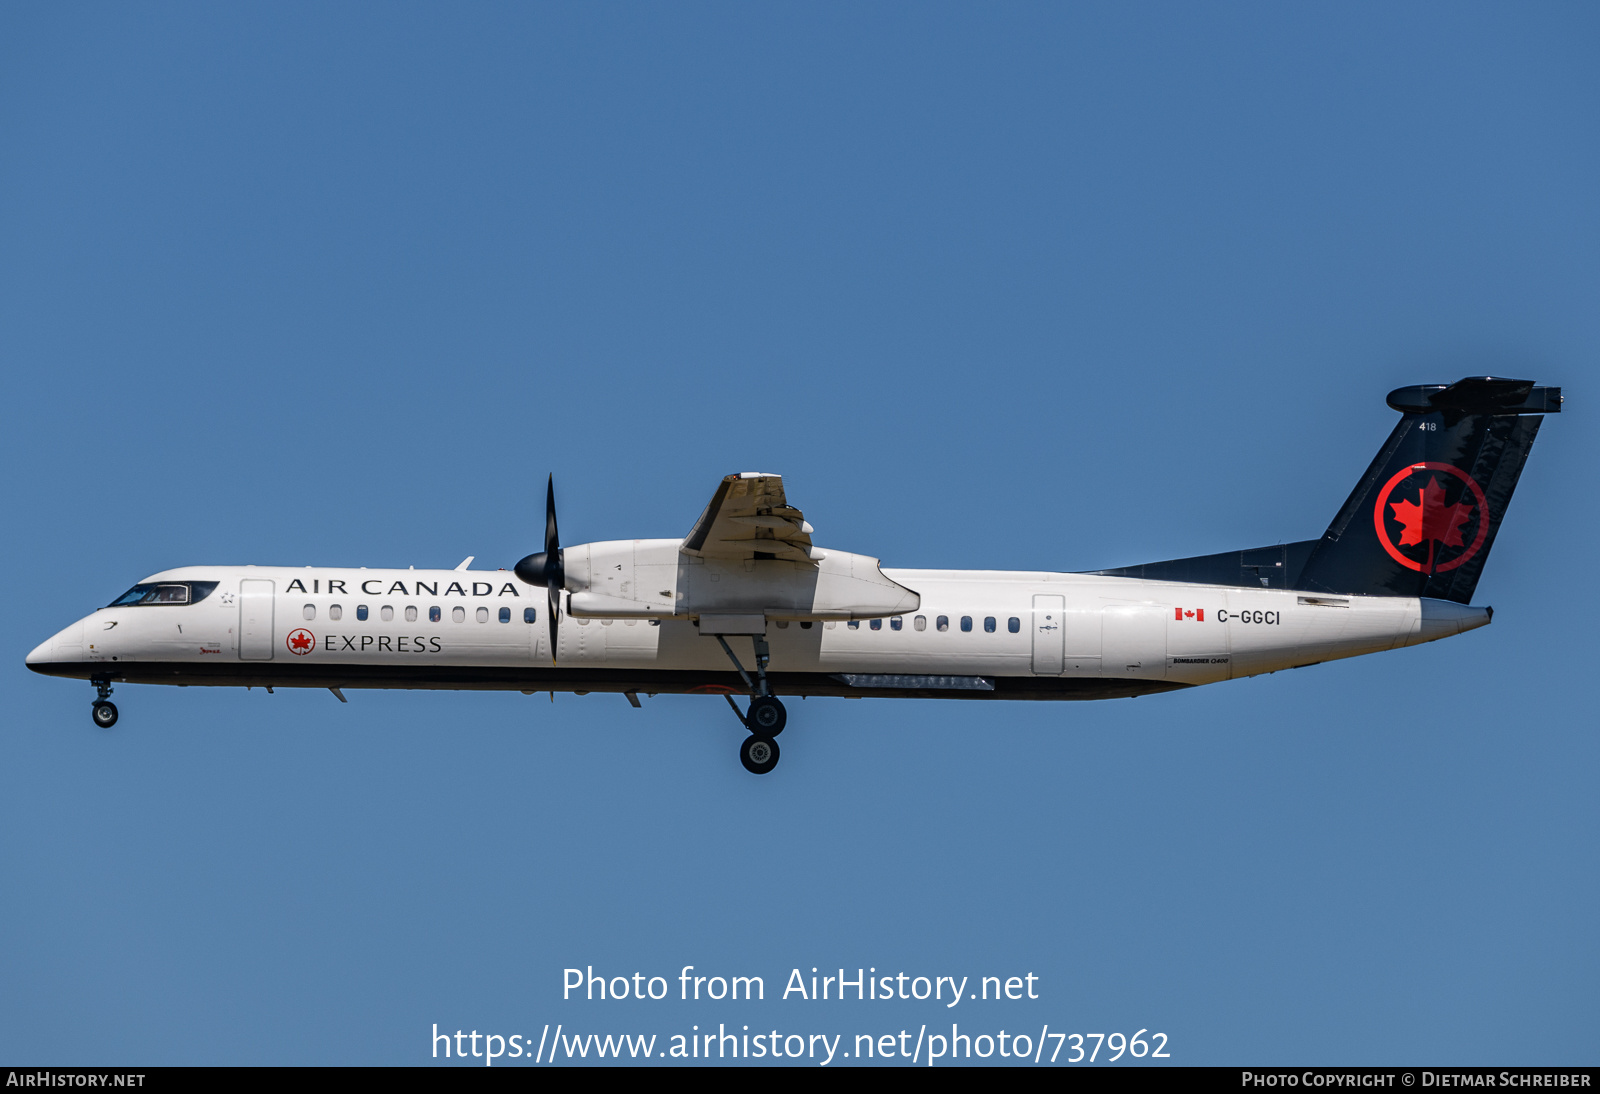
{"x": 1422, "y": 519}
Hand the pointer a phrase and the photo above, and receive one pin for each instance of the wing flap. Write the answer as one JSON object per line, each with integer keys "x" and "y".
{"x": 749, "y": 517}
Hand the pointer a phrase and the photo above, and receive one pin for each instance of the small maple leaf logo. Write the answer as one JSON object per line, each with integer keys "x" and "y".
{"x": 301, "y": 642}
{"x": 1431, "y": 521}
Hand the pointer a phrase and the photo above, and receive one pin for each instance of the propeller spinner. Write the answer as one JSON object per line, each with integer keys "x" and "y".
{"x": 545, "y": 568}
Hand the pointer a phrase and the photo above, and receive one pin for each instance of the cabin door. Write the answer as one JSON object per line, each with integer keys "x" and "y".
{"x": 255, "y": 620}
{"x": 1049, "y": 634}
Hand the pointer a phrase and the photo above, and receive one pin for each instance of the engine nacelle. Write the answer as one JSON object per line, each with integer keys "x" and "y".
{"x": 653, "y": 579}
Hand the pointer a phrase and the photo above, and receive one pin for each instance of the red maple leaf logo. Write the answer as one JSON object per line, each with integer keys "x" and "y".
{"x": 300, "y": 640}
{"x": 1429, "y": 520}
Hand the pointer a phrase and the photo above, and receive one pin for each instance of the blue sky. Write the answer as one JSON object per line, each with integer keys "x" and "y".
{"x": 1003, "y": 286}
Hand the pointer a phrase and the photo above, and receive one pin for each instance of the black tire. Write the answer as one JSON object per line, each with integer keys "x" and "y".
{"x": 766, "y": 717}
{"x": 758, "y": 754}
{"x": 105, "y": 714}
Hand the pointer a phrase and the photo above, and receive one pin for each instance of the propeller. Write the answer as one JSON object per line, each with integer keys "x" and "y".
{"x": 545, "y": 568}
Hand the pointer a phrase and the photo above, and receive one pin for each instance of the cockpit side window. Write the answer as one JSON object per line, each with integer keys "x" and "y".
{"x": 164, "y": 592}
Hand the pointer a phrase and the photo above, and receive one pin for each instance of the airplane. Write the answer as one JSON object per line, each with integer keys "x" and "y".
{"x": 1397, "y": 567}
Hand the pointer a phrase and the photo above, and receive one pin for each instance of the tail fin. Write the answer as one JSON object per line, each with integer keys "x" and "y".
{"x": 1422, "y": 519}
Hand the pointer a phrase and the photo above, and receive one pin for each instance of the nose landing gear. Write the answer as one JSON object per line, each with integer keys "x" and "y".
{"x": 104, "y": 711}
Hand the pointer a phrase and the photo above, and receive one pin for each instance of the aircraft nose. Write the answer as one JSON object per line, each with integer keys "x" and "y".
{"x": 64, "y": 645}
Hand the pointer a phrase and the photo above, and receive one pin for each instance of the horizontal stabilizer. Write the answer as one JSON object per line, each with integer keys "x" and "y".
{"x": 1478, "y": 395}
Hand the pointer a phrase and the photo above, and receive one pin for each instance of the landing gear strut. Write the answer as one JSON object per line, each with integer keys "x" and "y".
{"x": 105, "y": 711}
{"x": 766, "y": 717}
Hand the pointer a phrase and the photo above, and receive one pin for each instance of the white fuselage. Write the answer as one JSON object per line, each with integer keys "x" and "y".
{"x": 1032, "y": 634}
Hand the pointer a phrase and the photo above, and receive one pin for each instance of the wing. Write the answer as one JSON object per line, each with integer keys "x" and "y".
{"x": 750, "y": 518}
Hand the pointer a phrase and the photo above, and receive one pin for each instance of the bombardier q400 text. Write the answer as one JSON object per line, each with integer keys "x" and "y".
{"x": 747, "y": 604}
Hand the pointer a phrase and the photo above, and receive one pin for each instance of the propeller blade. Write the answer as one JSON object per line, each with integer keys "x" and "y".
{"x": 554, "y": 571}
{"x": 546, "y": 568}
{"x": 552, "y": 540}
{"x": 554, "y": 601}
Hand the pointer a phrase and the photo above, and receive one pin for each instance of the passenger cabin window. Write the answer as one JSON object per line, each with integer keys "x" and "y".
{"x": 308, "y": 612}
{"x": 386, "y": 613}
{"x": 896, "y": 623}
{"x": 966, "y": 622}
{"x": 483, "y": 615}
{"x": 505, "y": 615}
{"x": 920, "y": 622}
{"x": 335, "y": 612}
{"x": 433, "y": 614}
{"x": 854, "y": 624}
{"x": 361, "y": 612}
{"x": 942, "y": 623}
{"x": 876, "y": 624}
{"x": 411, "y": 613}
{"x": 530, "y": 615}
{"x": 988, "y": 624}
{"x": 169, "y": 593}
{"x": 458, "y": 614}
{"x": 1013, "y": 624}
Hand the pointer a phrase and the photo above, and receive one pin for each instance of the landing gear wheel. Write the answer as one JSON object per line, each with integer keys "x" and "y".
{"x": 758, "y": 754}
{"x": 767, "y": 716}
{"x": 105, "y": 714}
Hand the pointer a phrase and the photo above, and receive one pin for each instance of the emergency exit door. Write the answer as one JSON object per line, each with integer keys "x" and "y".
{"x": 255, "y": 620}
{"x": 1049, "y": 634}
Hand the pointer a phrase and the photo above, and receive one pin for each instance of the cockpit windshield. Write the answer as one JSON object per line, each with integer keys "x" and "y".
{"x": 165, "y": 592}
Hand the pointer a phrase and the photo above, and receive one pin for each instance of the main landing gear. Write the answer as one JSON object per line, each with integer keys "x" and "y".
{"x": 105, "y": 711}
{"x": 765, "y": 720}
{"x": 758, "y": 754}
{"x": 766, "y": 717}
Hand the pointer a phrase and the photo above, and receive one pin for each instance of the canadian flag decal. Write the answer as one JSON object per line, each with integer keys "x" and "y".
{"x": 1196, "y": 614}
